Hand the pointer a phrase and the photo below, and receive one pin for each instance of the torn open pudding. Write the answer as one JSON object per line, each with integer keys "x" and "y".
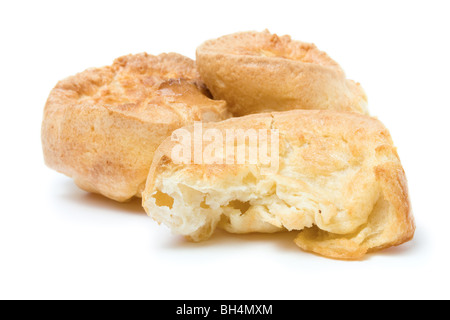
{"x": 335, "y": 178}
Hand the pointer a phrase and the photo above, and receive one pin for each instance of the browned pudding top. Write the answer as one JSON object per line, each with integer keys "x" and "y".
{"x": 265, "y": 44}
{"x": 161, "y": 87}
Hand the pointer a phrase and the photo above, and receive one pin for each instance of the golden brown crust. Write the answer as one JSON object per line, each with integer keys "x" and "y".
{"x": 340, "y": 183}
{"x": 102, "y": 126}
{"x": 258, "y": 72}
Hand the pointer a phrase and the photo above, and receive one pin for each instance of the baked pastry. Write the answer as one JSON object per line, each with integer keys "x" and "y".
{"x": 339, "y": 182}
{"x": 258, "y": 72}
{"x": 102, "y": 126}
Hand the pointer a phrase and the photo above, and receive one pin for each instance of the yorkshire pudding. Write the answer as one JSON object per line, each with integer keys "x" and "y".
{"x": 102, "y": 126}
{"x": 258, "y": 71}
{"x": 338, "y": 184}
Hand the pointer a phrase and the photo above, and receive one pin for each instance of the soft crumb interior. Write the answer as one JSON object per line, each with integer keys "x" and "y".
{"x": 248, "y": 202}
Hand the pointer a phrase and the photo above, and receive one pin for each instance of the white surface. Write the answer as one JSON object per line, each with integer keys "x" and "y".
{"x": 57, "y": 241}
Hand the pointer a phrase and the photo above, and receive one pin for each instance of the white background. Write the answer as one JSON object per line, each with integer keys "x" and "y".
{"x": 57, "y": 241}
